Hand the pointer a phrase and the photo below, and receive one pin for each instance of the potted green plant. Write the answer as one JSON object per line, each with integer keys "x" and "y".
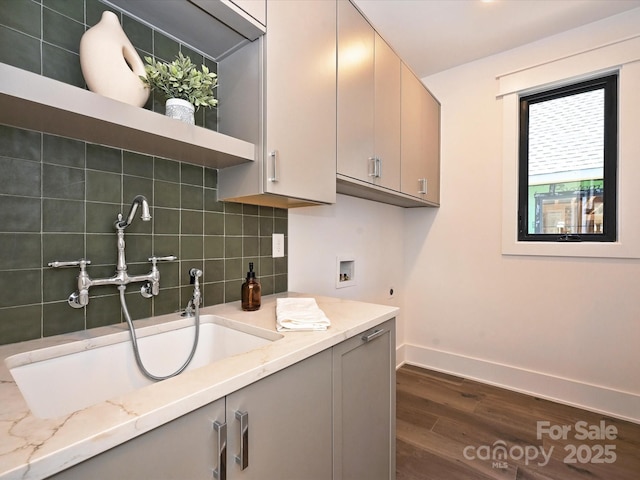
{"x": 184, "y": 86}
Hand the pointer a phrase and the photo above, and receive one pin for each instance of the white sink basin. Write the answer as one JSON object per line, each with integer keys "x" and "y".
{"x": 66, "y": 378}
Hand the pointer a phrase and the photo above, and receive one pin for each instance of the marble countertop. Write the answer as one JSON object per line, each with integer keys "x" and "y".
{"x": 32, "y": 447}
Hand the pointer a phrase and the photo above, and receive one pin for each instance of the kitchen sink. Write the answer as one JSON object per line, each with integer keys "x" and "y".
{"x": 63, "y": 379}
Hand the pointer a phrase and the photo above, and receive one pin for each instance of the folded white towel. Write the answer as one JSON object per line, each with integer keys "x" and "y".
{"x": 300, "y": 314}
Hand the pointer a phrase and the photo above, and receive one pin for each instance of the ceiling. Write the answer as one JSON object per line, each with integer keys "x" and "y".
{"x": 435, "y": 35}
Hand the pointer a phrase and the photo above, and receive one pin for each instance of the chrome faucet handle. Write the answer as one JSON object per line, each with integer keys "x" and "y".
{"x": 82, "y": 263}
{"x": 154, "y": 259}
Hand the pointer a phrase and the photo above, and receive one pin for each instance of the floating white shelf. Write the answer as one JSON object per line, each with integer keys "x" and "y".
{"x": 31, "y": 101}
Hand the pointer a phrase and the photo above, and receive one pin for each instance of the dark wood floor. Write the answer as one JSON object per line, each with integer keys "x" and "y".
{"x": 449, "y": 428}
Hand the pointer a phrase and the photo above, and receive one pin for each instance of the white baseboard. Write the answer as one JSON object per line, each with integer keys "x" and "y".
{"x": 615, "y": 403}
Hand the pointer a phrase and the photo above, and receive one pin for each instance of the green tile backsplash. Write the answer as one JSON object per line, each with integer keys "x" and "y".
{"x": 59, "y": 198}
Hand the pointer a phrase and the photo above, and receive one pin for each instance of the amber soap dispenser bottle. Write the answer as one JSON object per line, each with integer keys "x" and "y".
{"x": 251, "y": 291}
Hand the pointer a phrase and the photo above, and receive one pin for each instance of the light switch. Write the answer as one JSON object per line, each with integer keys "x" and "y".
{"x": 278, "y": 245}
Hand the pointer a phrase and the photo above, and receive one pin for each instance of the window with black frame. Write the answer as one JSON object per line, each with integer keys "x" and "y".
{"x": 567, "y": 180}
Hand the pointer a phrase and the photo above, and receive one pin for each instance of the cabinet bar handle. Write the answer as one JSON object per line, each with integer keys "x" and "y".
{"x": 243, "y": 458}
{"x": 221, "y": 453}
{"x": 423, "y": 185}
{"x": 375, "y": 167}
{"x": 373, "y": 335}
{"x": 274, "y": 155}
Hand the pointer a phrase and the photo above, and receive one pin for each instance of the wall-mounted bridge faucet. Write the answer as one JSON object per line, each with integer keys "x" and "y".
{"x": 151, "y": 287}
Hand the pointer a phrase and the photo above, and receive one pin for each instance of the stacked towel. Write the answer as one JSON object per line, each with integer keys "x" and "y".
{"x": 299, "y": 314}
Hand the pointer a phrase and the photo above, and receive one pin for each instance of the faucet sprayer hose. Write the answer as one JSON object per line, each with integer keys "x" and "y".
{"x": 134, "y": 340}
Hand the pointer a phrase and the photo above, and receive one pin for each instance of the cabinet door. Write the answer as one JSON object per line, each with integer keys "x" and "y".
{"x": 289, "y": 424}
{"x": 364, "y": 405}
{"x": 420, "y": 145}
{"x": 387, "y": 115}
{"x": 355, "y": 93}
{"x": 183, "y": 448}
{"x": 300, "y": 146}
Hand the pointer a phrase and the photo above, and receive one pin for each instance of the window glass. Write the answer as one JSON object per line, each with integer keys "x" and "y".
{"x": 567, "y": 187}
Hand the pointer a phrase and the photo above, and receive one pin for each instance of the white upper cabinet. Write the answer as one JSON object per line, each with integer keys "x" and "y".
{"x": 368, "y": 102}
{"x": 297, "y": 137}
{"x": 420, "y": 140}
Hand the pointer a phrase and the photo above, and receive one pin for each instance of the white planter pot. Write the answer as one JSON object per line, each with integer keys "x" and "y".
{"x": 180, "y": 110}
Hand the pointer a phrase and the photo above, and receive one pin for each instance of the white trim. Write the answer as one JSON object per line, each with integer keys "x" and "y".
{"x": 628, "y": 244}
{"x": 578, "y": 66}
{"x": 596, "y": 398}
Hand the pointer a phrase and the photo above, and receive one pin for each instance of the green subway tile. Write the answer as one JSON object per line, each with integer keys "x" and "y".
{"x": 19, "y": 143}
{"x": 191, "y": 222}
{"x": 59, "y": 318}
{"x": 101, "y": 217}
{"x": 211, "y": 118}
{"x": 19, "y": 50}
{"x": 191, "y": 174}
{"x": 22, "y": 16}
{"x": 19, "y": 177}
{"x": 169, "y": 271}
{"x": 20, "y": 250}
{"x": 61, "y": 65}
{"x": 232, "y": 247}
{"x": 233, "y": 224}
{"x": 213, "y": 293}
{"x": 213, "y": 223}
{"x": 103, "y": 311}
{"x": 230, "y": 207}
{"x": 62, "y": 182}
{"x": 59, "y": 283}
{"x": 250, "y": 210}
{"x": 166, "y": 194}
{"x": 12, "y": 286}
{"x": 62, "y": 247}
{"x": 106, "y": 159}
{"x": 234, "y": 269}
{"x": 213, "y": 271}
{"x": 211, "y": 203}
{"x": 95, "y": 9}
{"x": 61, "y": 31}
{"x": 19, "y": 214}
{"x": 280, "y": 212}
{"x": 232, "y": 290}
{"x": 214, "y": 246}
{"x": 103, "y": 186}
{"x": 266, "y": 266}
{"x": 211, "y": 65}
{"x": 102, "y": 249}
{"x": 165, "y": 48}
{"x": 210, "y": 177}
{"x": 71, "y": 8}
{"x": 266, "y": 246}
{"x": 166, "y": 221}
{"x": 137, "y": 164}
{"x": 140, "y": 35}
{"x": 250, "y": 246}
{"x": 266, "y": 211}
{"x": 280, "y": 225}
{"x": 249, "y": 225}
{"x": 280, "y": 265}
{"x": 191, "y": 197}
{"x": 139, "y": 249}
{"x": 63, "y": 151}
{"x": 266, "y": 226}
{"x": 167, "y": 170}
{"x": 281, "y": 284}
{"x": 19, "y": 324}
{"x": 168, "y": 301}
{"x": 165, "y": 245}
{"x": 138, "y": 306}
{"x": 195, "y": 57}
{"x": 191, "y": 247}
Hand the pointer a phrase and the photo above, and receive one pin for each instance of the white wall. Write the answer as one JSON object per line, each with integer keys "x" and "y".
{"x": 370, "y": 232}
{"x": 563, "y": 328}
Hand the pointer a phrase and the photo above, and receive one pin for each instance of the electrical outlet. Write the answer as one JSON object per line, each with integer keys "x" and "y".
{"x": 278, "y": 245}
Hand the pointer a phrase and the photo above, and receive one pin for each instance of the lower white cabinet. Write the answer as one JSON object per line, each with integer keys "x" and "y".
{"x": 329, "y": 416}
